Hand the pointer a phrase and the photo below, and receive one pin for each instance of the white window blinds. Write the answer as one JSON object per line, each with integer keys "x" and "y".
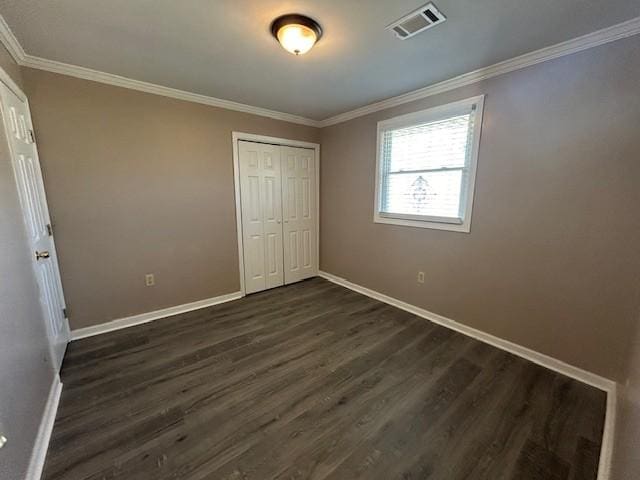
{"x": 425, "y": 165}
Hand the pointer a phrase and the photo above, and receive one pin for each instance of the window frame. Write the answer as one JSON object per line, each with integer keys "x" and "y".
{"x": 425, "y": 116}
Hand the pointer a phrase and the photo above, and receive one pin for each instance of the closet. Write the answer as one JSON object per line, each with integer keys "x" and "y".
{"x": 278, "y": 203}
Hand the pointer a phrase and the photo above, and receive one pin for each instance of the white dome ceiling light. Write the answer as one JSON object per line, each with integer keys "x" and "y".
{"x": 296, "y": 33}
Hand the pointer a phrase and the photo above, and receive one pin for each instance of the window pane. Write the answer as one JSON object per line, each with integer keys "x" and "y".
{"x": 426, "y": 166}
{"x": 431, "y": 193}
{"x": 428, "y": 146}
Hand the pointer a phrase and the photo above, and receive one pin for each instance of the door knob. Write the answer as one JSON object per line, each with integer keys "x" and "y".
{"x": 278, "y": 221}
{"x": 41, "y": 255}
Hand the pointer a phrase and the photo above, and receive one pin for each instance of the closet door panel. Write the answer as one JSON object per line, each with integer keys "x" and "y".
{"x": 299, "y": 213}
{"x": 261, "y": 203}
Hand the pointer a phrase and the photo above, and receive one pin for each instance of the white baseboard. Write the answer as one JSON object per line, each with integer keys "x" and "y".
{"x": 606, "y": 450}
{"x": 609, "y": 386}
{"x": 524, "y": 352}
{"x": 151, "y": 316}
{"x": 39, "y": 452}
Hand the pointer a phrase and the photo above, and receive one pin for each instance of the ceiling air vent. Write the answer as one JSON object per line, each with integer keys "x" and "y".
{"x": 417, "y": 21}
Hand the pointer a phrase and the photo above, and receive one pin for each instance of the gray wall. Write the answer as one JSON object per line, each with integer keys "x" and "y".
{"x": 139, "y": 183}
{"x": 552, "y": 261}
{"x": 25, "y": 367}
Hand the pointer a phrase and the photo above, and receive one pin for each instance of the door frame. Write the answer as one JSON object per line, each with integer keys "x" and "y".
{"x": 285, "y": 142}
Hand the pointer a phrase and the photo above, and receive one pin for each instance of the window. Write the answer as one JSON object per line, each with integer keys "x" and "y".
{"x": 426, "y": 166}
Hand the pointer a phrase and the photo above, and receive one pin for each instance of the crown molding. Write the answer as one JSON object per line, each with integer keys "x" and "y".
{"x": 118, "y": 81}
{"x": 10, "y": 42}
{"x": 594, "y": 39}
{"x": 610, "y": 34}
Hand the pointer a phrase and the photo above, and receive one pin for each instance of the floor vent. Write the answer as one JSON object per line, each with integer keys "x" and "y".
{"x": 417, "y": 21}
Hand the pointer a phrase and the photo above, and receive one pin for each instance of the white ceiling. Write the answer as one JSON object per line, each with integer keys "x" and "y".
{"x": 223, "y": 48}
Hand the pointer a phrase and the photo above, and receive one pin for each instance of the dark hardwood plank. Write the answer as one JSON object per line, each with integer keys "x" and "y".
{"x": 314, "y": 381}
{"x": 537, "y": 462}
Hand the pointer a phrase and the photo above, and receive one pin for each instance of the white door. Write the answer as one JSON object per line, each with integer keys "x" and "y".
{"x": 261, "y": 204}
{"x": 33, "y": 201}
{"x": 299, "y": 213}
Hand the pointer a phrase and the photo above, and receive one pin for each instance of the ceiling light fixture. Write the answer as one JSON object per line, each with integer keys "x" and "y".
{"x": 296, "y": 33}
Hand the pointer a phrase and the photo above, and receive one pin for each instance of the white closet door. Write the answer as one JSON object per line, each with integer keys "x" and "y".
{"x": 299, "y": 213}
{"x": 261, "y": 199}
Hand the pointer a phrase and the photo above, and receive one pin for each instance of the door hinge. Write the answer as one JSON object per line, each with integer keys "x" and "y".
{"x": 49, "y": 229}
{"x": 32, "y": 136}
{"x": 64, "y": 312}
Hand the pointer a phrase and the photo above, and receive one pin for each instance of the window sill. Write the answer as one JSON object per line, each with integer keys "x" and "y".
{"x": 463, "y": 227}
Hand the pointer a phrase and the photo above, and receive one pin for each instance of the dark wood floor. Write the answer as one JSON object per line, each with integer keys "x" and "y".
{"x": 315, "y": 381}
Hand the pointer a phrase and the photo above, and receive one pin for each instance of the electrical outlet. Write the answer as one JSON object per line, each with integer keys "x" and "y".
{"x": 420, "y": 277}
{"x": 149, "y": 280}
